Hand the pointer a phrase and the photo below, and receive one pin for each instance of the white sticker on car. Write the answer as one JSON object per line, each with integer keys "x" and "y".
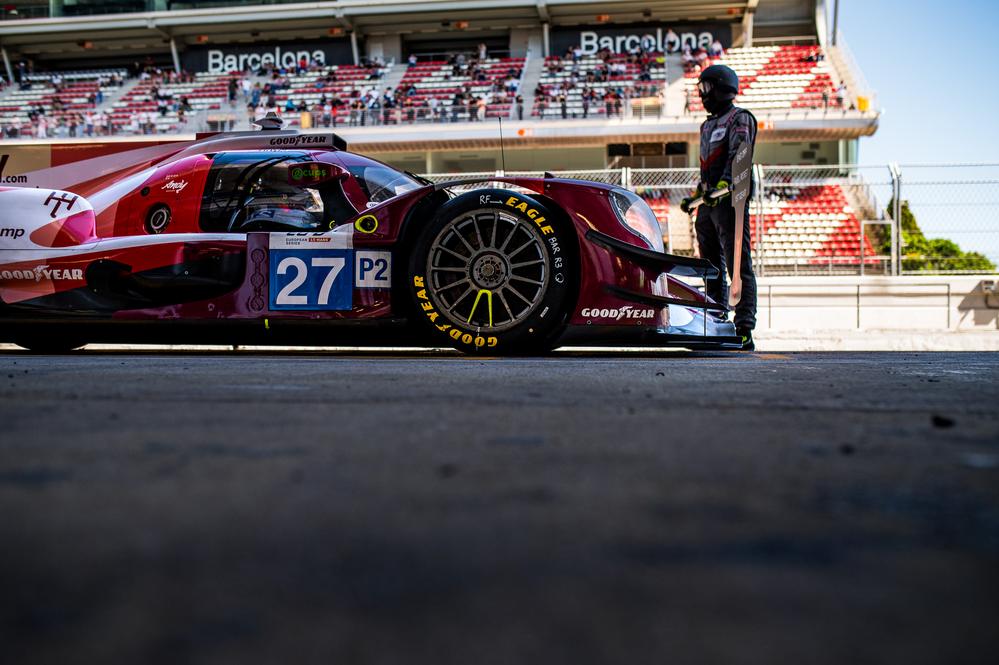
{"x": 372, "y": 270}
{"x": 310, "y": 240}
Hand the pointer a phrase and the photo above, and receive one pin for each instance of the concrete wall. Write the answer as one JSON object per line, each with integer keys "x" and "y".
{"x": 877, "y": 303}
{"x": 523, "y": 40}
{"x": 789, "y": 152}
{"x": 387, "y": 47}
{"x": 464, "y": 161}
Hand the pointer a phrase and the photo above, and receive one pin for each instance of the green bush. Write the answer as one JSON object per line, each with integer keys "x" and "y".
{"x": 922, "y": 253}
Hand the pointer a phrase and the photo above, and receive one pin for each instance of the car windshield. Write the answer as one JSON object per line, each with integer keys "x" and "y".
{"x": 381, "y": 183}
{"x": 271, "y": 192}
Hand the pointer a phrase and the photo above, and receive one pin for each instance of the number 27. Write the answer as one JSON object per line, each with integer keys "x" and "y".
{"x": 301, "y": 269}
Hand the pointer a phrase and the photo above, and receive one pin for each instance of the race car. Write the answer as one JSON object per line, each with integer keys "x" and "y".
{"x": 282, "y": 237}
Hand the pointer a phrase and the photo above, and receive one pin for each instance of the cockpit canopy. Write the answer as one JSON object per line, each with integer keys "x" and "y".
{"x": 293, "y": 191}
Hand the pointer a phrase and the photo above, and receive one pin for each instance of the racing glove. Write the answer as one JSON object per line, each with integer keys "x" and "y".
{"x": 685, "y": 203}
{"x": 712, "y": 202}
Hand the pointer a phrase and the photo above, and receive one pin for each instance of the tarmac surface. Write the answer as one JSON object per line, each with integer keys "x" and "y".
{"x": 428, "y": 508}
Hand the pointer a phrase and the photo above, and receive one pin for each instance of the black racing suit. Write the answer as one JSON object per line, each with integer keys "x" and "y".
{"x": 721, "y": 136}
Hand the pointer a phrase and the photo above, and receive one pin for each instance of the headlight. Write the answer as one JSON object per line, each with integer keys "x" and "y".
{"x": 635, "y": 213}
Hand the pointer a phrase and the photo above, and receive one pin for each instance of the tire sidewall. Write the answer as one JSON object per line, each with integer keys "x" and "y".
{"x": 535, "y": 333}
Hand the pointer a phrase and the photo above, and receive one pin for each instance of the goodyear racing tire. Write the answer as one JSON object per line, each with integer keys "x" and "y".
{"x": 494, "y": 272}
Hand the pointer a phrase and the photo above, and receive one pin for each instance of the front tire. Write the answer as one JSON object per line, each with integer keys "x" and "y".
{"x": 494, "y": 272}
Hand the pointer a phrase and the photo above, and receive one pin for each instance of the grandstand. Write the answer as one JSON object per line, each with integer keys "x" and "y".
{"x": 777, "y": 77}
{"x": 587, "y": 84}
{"x": 592, "y": 85}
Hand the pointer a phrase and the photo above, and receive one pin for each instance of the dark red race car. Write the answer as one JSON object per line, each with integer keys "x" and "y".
{"x": 278, "y": 237}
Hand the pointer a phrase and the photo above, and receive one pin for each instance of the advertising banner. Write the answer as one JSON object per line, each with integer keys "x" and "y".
{"x": 224, "y": 58}
{"x": 670, "y": 38}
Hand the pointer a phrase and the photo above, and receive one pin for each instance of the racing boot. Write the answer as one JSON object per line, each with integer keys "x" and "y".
{"x": 747, "y": 340}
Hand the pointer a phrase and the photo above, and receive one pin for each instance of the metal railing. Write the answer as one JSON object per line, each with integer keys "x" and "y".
{"x": 839, "y": 219}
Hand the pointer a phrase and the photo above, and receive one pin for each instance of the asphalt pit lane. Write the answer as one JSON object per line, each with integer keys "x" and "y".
{"x": 526, "y": 441}
{"x": 446, "y": 471}
{"x": 942, "y": 422}
{"x": 38, "y": 477}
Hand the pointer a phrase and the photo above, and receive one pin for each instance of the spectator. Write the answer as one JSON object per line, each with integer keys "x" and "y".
{"x": 609, "y": 103}
{"x": 520, "y": 107}
{"x": 483, "y": 51}
{"x": 840, "y": 95}
{"x": 687, "y": 58}
{"x": 716, "y": 49}
{"x": 412, "y": 60}
{"x": 671, "y": 42}
{"x": 388, "y": 107}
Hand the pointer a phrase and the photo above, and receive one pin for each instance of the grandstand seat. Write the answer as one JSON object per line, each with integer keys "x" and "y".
{"x": 58, "y": 103}
{"x": 810, "y": 226}
{"x": 775, "y": 77}
{"x": 205, "y": 92}
{"x": 623, "y": 78}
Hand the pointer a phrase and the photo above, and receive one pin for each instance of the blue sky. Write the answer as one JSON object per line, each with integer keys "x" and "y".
{"x": 935, "y": 67}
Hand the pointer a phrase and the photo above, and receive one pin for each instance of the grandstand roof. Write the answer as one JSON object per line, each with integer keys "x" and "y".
{"x": 141, "y": 33}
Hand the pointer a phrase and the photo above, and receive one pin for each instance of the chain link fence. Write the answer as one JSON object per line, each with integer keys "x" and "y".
{"x": 950, "y": 218}
{"x": 838, "y": 219}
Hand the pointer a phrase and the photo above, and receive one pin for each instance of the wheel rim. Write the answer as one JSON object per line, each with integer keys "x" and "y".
{"x": 488, "y": 269}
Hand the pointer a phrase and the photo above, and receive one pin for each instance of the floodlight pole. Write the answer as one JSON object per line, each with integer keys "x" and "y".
{"x": 6, "y": 64}
{"x": 353, "y": 48}
{"x": 835, "y": 30}
{"x": 896, "y": 219}
{"x": 176, "y": 57}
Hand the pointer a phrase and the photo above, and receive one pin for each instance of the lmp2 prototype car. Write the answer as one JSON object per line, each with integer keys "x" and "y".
{"x": 280, "y": 237}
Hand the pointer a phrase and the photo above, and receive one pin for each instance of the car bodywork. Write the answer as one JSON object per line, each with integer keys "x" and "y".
{"x": 182, "y": 242}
